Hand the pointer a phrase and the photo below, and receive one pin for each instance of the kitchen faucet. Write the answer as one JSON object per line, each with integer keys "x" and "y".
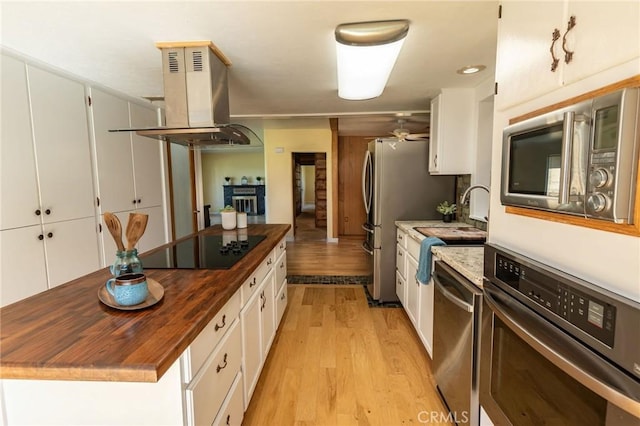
{"x": 465, "y": 195}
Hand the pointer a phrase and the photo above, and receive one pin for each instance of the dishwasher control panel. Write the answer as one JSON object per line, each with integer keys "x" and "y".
{"x": 588, "y": 313}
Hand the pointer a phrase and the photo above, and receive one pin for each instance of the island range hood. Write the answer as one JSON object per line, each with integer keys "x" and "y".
{"x": 196, "y": 97}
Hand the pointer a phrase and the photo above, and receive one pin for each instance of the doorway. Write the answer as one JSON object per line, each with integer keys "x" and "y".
{"x": 309, "y": 171}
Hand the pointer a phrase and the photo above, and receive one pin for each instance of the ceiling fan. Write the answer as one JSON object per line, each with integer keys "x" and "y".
{"x": 405, "y": 135}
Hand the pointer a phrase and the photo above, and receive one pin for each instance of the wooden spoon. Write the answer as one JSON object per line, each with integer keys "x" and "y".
{"x": 115, "y": 228}
{"x": 135, "y": 228}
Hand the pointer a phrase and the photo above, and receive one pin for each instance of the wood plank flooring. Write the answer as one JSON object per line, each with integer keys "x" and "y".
{"x": 335, "y": 361}
{"x": 321, "y": 258}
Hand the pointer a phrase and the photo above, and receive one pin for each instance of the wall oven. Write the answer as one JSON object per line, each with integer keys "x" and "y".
{"x": 555, "y": 349}
{"x": 581, "y": 159}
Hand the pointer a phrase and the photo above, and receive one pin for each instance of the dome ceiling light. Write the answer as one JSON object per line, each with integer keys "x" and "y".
{"x": 366, "y": 54}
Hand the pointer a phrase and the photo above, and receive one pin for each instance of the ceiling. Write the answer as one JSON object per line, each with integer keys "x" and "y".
{"x": 282, "y": 52}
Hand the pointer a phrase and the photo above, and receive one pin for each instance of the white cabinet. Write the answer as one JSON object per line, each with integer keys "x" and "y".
{"x": 129, "y": 167}
{"x": 451, "y": 138}
{"x": 268, "y": 314}
{"x": 47, "y": 214}
{"x": 413, "y": 291}
{"x": 525, "y": 42}
{"x": 18, "y": 181}
{"x": 211, "y": 365}
{"x": 264, "y": 301}
{"x": 250, "y": 319}
{"x": 425, "y": 321}
{"x": 401, "y": 265}
{"x": 280, "y": 284}
{"x": 208, "y": 390}
{"x": 232, "y": 411}
{"x": 416, "y": 298}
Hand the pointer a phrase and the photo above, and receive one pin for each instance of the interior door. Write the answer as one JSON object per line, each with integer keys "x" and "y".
{"x": 182, "y": 191}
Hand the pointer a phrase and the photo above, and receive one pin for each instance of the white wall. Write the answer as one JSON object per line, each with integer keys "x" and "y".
{"x": 606, "y": 259}
{"x": 308, "y": 185}
{"x": 281, "y": 139}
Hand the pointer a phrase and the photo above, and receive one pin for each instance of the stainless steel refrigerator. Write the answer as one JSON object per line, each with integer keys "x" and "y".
{"x": 396, "y": 185}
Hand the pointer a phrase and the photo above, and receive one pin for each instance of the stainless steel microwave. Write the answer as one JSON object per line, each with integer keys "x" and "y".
{"x": 581, "y": 159}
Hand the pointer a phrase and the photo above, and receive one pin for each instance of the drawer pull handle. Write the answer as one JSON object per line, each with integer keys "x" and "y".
{"x": 282, "y": 265}
{"x": 264, "y": 301}
{"x": 251, "y": 284}
{"x": 284, "y": 296}
{"x": 281, "y": 246}
{"x": 269, "y": 262}
{"x": 224, "y": 322}
{"x": 229, "y": 419}
{"x": 224, "y": 360}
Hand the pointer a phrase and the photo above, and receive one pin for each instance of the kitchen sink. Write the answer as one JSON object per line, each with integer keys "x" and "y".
{"x": 458, "y": 236}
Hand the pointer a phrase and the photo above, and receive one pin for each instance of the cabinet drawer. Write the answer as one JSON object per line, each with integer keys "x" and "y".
{"x": 281, "y": 247}
{"x": 281, "y": 303}
{"x": 401, "y": 288}
{"x": 281, "y": 270}
{"x": 413, "y": 248}
{"x": 400, "y": 262}
{"x": 208, "y": 338}
{"x": 401, "y": 238}
{"x": 232, "y": 410}
{"x": 253, "y": 282}
{"x": 208, "y": 390}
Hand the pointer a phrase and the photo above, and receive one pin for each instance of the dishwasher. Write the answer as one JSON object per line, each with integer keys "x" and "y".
{"x": 456, "y": 327}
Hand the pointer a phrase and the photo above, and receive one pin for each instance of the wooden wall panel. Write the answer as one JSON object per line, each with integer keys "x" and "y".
{"x": 351, "y": 214}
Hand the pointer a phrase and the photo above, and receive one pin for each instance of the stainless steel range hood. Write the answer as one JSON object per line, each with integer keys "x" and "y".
{"x": 196, "y": 96}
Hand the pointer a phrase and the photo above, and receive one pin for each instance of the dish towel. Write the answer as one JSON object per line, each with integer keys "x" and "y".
{"x": 424, "y": 263}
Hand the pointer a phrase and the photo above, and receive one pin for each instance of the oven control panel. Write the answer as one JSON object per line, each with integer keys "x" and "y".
{"x": 589, "y": 314}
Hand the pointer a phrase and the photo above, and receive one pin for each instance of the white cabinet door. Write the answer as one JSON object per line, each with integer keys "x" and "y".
{"x": 413, "y": 286}
{"x": 401, "y": 288}
{"x": 451, "y": 142}
{"x": 18, "y": 186}
{"x": 23, "y": 271}
{"x": 523, "y": 69}
{"x": 154, "y": 235}
{"x": 147, "y": 160}
{"x": 251, "y": 345}
{"x": 425, "y": 322}
{"x": 72, "y": 249}
{"x": 268, "y": 312}
{"x": 605, "y": 35}
{"x": 113, "y": 152}
{"x": 62, "y": 146}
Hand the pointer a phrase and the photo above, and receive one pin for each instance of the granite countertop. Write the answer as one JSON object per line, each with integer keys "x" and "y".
{"x": 467, "y": 260}
{"x": 408, "y": 225}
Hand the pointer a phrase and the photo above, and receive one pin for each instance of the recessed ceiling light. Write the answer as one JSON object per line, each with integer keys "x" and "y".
{"x": 471, "y": 69}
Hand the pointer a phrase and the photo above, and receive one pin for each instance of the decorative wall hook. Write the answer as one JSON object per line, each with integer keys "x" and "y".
{"x": 568, "y": 54}
{"x": 554, "y": 37}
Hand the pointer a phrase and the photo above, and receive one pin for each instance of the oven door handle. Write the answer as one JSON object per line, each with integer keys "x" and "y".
{"x": 585, "y": 366}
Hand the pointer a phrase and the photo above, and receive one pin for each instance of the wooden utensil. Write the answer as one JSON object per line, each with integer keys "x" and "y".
{"x": 115, "y": 228}
{"x": 135, "y": 228}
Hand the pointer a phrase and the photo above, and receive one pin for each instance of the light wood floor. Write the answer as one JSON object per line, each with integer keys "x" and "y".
{"x": 335, "y": 361}
{"x": 345, "y": 257}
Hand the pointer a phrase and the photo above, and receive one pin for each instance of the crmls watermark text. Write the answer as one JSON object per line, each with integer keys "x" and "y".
{"x": 443, "y": 417}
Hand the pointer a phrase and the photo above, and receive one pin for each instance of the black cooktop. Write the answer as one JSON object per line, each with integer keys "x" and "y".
{"x": 203, "y": 252}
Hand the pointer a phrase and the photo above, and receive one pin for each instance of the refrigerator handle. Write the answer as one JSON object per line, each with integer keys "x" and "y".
{"x": 367, "y": 227}
{"x": 366, "y": 188}
{"x": 366, "y": 247}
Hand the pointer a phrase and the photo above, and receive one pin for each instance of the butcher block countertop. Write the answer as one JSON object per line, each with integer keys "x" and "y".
{"x": 66, "y": 333}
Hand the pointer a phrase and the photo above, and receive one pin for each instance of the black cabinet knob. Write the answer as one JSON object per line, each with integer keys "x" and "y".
{"x": 41, "y": 237}
{"x": 135, "y": 201}
{"x": 139, "y": 200}
{"x": 38, "y": 212}
{"x": 47, "y": 211}
{"x": 50, "y": 234}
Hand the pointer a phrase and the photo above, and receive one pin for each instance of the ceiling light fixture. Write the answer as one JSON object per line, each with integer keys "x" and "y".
{"x": 367, "y": 52}
{"x": 470, "y": 69}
